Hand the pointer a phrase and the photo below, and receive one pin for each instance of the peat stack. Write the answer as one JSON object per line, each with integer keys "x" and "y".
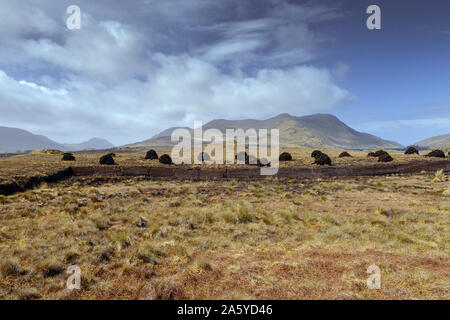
{"x": 411, "y": 150}
{"x": 151, "y": 155}
{"x": 68, "y": 157}
{"x": 385, "y": 157}
{"x": 204, "y": 156}
{"x": 344, "y": 154}
{"x": 242, "y": 156}
{"x": 316, "y": 153}
{"x": 165, "y": 159}
{"x": 322, "y": 159}
{"x": 285, "y": 156}
{"x": 263, "y": 163}
{"x": 436, "y": 153}
{"x": 108, "y": 159}
{"x": 376, "y": 153}
{"x": 252, "y": 160}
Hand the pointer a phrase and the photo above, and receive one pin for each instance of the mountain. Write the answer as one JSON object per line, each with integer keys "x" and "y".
{"x": 14, "y": 139}
{"x": 435, "y": 142}
{"x": 314, "y": 131}
{"x": 94, "y": 143}
{"x": 168, "y": 132}
{"x": 161, "y": 139}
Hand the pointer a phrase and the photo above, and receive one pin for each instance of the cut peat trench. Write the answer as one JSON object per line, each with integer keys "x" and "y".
{"x": 186, "y": 173}
{"x": 33, "y": 182}
{"x": 200, "y": 174}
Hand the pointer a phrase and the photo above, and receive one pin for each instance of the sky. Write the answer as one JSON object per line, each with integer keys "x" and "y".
{"x": 135, "y": 68}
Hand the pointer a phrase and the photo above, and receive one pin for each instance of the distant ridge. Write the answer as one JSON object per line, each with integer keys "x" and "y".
{"x": 14, "y": 139}
{"x": 94, "y": 143}
{"x": 313, "y": 131}
{"x": 442, "y": 141}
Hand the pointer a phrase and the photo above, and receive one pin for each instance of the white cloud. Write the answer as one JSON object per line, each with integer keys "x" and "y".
{"x": 99, "y": 50}
{"x": 40, "y": 88}
{"x": 23, "y": 19}
{"x": 180, "y": 89}
{"x": 110, "y": 79}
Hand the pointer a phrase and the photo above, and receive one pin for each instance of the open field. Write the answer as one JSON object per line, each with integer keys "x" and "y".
{"x": 267, "y": 239}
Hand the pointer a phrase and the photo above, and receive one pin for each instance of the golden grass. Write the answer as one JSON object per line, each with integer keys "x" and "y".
{"x": 268, "y": 239}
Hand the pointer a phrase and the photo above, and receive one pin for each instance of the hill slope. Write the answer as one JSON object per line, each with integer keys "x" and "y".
{"x": 14, "y": 139}
{"x": 435, "y": 142}
{"x": 314, "y": 131}
{"x": 94, "y": 143}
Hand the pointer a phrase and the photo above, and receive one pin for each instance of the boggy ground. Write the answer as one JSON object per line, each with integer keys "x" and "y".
{"x": 270, "y": 239}
{"x": 41, "y": 163}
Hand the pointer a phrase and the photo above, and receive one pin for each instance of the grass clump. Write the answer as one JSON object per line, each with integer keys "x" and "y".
{"x": 10, "y": 267}
{"x": 439, "y": 176}
{"x": 245, "y": 216}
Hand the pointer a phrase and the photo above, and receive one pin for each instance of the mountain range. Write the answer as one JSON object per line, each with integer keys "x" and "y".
{"x": 313, "y": 131}
{"x": 14, "y": 139}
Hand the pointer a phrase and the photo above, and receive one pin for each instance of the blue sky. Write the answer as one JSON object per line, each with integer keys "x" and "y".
{"x": 138, "y": 67}
{"x": 400, "y": 74}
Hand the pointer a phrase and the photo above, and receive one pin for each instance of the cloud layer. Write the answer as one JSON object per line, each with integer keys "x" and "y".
{"x": 131, "y": 71}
